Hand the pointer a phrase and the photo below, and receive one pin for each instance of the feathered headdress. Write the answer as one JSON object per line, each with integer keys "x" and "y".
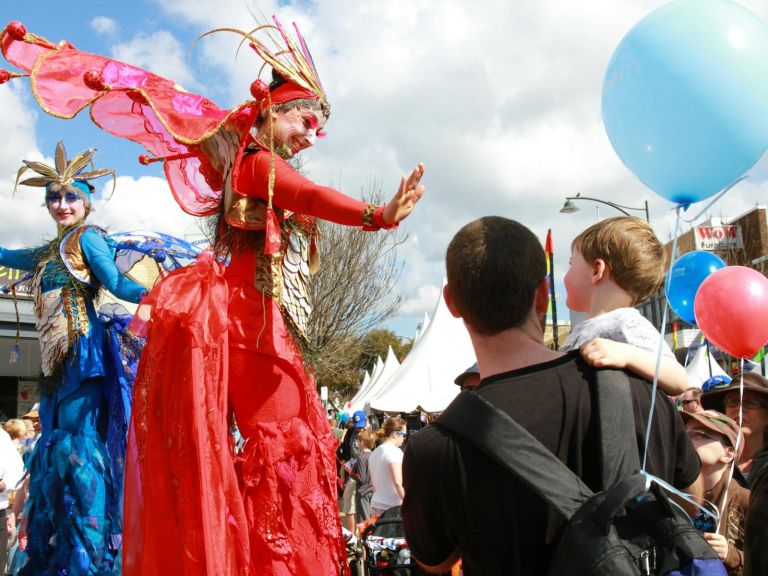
{"x": 289, "y": 59}
{"x": 65, "y": 174}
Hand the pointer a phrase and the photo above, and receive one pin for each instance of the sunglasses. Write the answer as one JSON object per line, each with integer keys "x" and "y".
{"x": 401, "y": 433}
{"x": 749, "y": 403}
{"x": 691, "y": 401}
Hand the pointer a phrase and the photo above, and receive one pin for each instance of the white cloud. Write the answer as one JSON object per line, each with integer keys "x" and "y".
{"x": 17, "y": 118}
{"x": 425, "y": 300}
{"x": 22, "y": 221}
{"x": 159, "y": 52}
{"x": 104, "y": 26}
{"x": 145, "y": 203}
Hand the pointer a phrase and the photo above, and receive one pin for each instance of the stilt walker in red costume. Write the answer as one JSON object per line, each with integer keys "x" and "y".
{"x": 224, "y": 338}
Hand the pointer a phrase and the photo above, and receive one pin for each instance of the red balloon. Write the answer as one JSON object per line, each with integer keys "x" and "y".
{"x": 731, "y": 308}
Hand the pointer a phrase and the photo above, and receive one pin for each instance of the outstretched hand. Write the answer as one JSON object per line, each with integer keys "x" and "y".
{"x": 404, "y": 201}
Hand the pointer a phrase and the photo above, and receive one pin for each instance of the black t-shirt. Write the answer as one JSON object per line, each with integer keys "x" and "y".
{"x": 348, "y": 448}
{"x": 456, "y": 497}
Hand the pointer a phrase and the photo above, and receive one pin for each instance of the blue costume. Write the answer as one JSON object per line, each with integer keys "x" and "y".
{"x": 75, "y": 481}
{"x": 73, "y": 512}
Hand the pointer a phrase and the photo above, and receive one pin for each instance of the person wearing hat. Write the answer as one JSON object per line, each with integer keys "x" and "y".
{"x": 725, "y": 398}
{"x": 351, "y": 451}
{"x": 33, "y": 414}
{"x": 469, "y": 379}
{"x": 716, "y": 439}
{"x": 32, "y": 421}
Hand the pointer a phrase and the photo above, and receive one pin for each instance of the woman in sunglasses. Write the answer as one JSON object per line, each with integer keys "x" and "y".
{"x": 386, "y": 467}
{"x": 754, "y": 417}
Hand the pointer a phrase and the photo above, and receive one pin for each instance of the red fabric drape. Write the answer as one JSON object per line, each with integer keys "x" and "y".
{"x": 183, "y": 510}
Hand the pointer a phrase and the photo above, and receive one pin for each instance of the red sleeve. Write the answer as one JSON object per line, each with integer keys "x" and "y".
{"x": 294, "y": 192}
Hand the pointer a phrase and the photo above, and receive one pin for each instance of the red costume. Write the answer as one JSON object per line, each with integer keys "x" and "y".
{"x": 220, "y": 337}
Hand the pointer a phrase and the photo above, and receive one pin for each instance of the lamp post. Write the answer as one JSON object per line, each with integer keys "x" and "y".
{"x": 569, "y": 207}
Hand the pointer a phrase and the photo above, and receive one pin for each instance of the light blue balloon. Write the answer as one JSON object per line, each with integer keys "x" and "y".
{"x": 685, "y": 97}
{"x": 688, "y": 272}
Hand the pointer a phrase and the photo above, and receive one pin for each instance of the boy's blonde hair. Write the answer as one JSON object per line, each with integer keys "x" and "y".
{"x": 631, "y": 251}
{"x": 16, "y": 429}
{"x": 368, "y": 438}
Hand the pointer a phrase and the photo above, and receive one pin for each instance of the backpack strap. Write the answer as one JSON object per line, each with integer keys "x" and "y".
{"x": 618, "y": 448}
{"x": 492, "y": 430}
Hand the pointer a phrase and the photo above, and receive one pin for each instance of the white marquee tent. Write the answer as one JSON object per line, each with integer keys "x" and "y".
{"x": 363, "y": 387}
{"x": 425, "y": 378}
{"x": 698, "y": 371}
{"x": 390, "y": 366}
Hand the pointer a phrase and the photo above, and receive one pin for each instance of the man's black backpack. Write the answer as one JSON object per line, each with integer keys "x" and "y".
{"x": 628, "y": 529}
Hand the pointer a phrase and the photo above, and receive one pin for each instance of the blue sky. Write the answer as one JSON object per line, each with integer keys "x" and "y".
{"x": 500, "y": 100}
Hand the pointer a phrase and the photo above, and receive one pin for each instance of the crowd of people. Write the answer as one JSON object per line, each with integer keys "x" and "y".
{"x": 222, "y": 347}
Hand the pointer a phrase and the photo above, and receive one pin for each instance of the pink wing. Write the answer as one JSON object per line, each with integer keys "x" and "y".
{"x": 132, "y": 103}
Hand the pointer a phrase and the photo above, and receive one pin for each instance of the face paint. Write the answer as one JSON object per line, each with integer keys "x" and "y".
{"x": 66, "y": 198}
{"x": 65, "y": 207}
{"x": 296, "y": 129}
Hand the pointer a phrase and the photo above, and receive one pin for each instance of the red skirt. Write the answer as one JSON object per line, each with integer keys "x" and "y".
{"x": 214, "y": 343}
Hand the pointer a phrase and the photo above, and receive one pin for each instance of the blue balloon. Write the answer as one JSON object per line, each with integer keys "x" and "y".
{"x": 687, "y": 274}
{"x": 685, "y": 97}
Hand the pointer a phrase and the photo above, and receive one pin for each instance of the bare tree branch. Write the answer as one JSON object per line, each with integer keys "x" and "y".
{"x": 352, "y": 293}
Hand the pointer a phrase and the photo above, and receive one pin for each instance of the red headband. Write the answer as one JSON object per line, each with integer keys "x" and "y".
{"x": 289, "y": 91}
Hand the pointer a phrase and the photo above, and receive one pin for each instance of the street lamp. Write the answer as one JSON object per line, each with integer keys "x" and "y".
{"x": 570, "y": 207}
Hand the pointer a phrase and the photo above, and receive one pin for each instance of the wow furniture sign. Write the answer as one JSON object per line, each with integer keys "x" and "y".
{"x": 718, "y": 237}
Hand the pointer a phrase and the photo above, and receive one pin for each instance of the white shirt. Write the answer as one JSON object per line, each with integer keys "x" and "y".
{"x": 379, "y": 467}
{"x": 11, "y": 467}
{"x": 621, "y": 325}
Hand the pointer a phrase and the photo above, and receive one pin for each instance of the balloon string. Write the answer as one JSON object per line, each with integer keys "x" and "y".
{"x": 739, "y": 436}
{"x": 714, "y": 200}
{"x": 660, "y": 347}
{"x": 712, "y": 513}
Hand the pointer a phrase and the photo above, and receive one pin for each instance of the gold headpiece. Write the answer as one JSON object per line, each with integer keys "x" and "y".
{"x": 64, "y": 174}
{"x": 289, "y": 59}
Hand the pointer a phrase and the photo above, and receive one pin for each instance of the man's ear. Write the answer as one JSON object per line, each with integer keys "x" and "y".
{"x": 542, "y": 296}
{"x": 600, "y": 271}
{"x": 449, "y": 302}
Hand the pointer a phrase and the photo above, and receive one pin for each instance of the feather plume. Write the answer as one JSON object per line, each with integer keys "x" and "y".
{"x": 290, "y": 60}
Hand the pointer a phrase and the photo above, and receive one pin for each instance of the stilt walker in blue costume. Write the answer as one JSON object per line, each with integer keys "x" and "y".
{"x": 73, "y": 511}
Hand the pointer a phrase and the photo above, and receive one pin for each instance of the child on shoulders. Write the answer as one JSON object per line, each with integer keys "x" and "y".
{"x": 614, "y": 265}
